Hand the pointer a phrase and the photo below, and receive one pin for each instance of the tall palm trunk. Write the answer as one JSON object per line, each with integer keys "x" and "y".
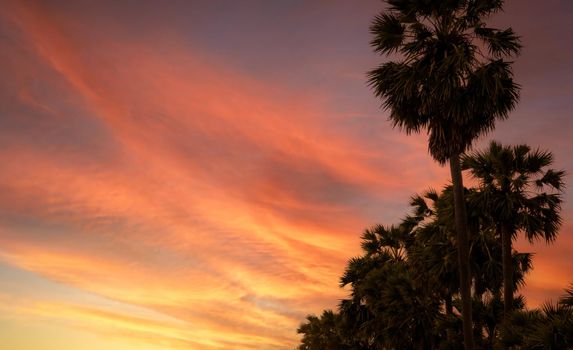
{"x": 449, "y": 304}
{"x": 461, "y": 221}
{"x": 507, "y": 270}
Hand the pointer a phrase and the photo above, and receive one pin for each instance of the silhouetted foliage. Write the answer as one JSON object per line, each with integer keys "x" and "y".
{"x": 326, "y": 332}
{"x": 404, "y": 291}
{"x": 519, "y": 193}
{"x": 549, "y": 327}
{"x": 449, "y": 75}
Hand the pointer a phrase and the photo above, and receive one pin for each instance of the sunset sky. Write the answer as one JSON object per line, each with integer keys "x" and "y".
{"x": 195, "y": 174}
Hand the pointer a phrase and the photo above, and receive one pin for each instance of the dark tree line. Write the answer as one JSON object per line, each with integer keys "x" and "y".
{"x": 404, "y": 290}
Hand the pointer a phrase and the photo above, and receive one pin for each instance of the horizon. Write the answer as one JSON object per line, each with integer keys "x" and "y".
{"x": 197, "y": 174}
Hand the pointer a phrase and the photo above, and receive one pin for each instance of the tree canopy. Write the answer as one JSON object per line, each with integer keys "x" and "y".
{"x": 404, "y": 292}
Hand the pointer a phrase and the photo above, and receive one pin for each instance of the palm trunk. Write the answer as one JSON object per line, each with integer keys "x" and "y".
{"x": 461, "y": 221}
{"x": 449, "y": 305}
{"x": 507, "y": 271}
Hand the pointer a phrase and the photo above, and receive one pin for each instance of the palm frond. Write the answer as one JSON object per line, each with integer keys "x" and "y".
{"x": 388, "y": 33}
{"x": 500, "y": 42}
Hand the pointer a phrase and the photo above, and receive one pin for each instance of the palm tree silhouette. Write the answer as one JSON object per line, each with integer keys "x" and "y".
{"x": 404, "y": 291}
{"x": 326, "y": 332}
{"x": 549, "y": 327}
{"x": 520, "y": 194}
{"x": 394, "y": 305}
{"x": 452, "y": 80}
{"x": 434, "y": 248}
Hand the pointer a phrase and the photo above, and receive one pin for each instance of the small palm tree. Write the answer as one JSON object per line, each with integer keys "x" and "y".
{"x": 394, "y": 306}
{"x": 323, "y": 333}
{"x": 567, "y": 299}
{"x": 433, "y": 249}
{"x": 550, "y": 327}
{"x": 520, "y": 194}
{"x": 446, "y": 84}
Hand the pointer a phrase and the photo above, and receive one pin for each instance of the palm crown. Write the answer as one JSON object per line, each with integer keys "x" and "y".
{"x": 520, "y": 194}
{"x": 519, "y": 189}
{"x": 453, "y": 79}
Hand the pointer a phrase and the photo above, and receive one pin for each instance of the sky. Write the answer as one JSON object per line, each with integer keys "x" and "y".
{"x": 195, "y": 174}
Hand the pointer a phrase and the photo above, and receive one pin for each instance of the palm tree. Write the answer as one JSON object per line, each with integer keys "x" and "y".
{"x": 393, "y": 305}
{"x": 447, "y": 83}
{"x": 520, "y": 194}
{"x": 550, "y": 327}
{"x": 433, "y": 249}
{"x": 567, "y": 299}
{"x": 326, "y": 332}
{"x": 554, "y": 331}
{"x": 404, "y": 287}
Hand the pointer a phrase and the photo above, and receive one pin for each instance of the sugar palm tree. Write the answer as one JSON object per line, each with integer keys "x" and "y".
{"x": 394, "y": 306}
{"x": 554, "y": 331}
{"x": 404, "y": 290}
{"x": 549, "y": 327}
{"x": 433, "y": 249}
{"x": 326, "y": 332}
{"x": 567, "y": 299}
{"x": 451, "y": 78}
{"x": 521, "y": 194}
